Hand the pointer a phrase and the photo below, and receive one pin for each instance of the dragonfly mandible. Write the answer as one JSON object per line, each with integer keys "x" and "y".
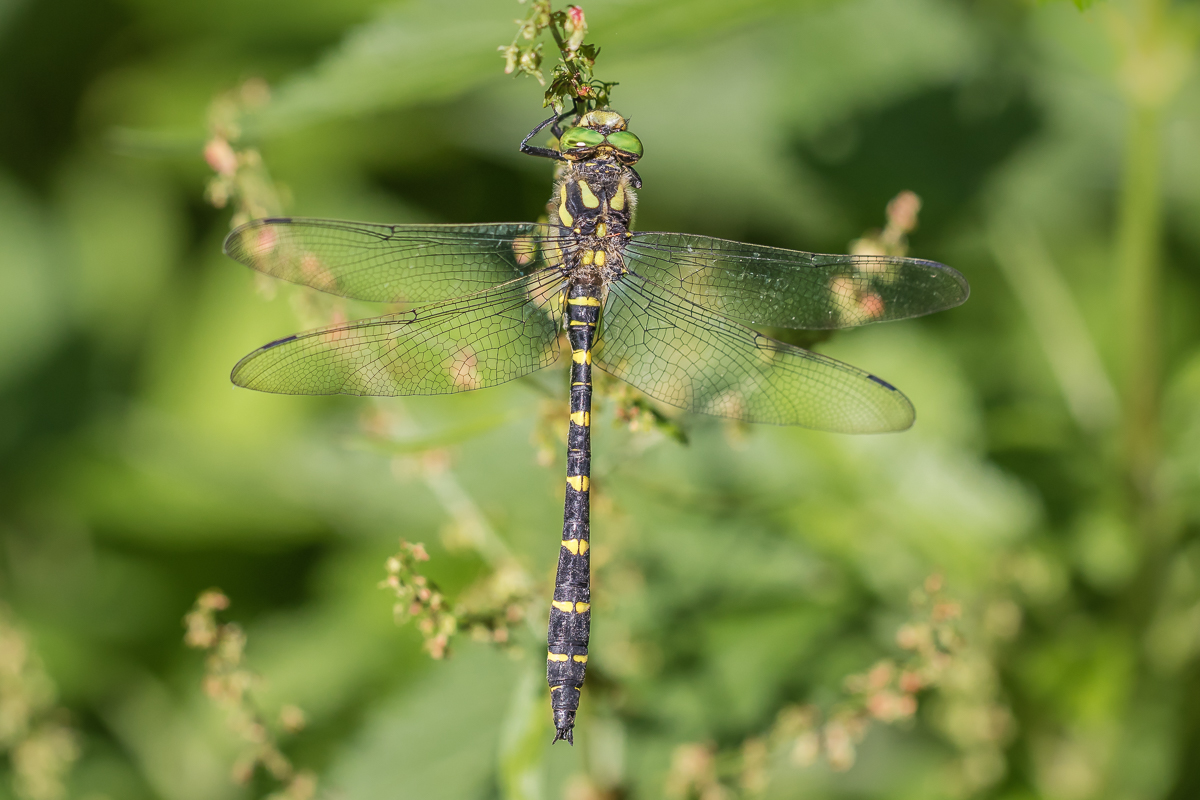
{"x": 670, "y": 313}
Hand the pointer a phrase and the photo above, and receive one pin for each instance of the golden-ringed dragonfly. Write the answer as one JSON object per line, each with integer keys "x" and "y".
{"x": 666, "y": 312}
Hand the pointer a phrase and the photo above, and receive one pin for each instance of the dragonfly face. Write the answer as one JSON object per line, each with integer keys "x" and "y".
{"x": 600, "y": 134}
{"x": 666, "y": 312}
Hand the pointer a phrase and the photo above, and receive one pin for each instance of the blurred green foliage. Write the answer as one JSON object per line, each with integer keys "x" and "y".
{"x": 1052, "y": 476}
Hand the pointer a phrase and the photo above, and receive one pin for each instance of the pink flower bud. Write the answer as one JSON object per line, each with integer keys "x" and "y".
{"x": 944, "y": 611}
{"x": 879, "y": 676}
{"x": 576, "y": 27}
{"x": 902, "y": 212}
{"x": 871, "y": 305}
{"x": 220, "y": 157}
{"x": 291, "y": 718}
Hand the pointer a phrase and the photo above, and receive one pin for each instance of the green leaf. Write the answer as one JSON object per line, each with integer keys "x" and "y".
{"x": 430, "y": 740}
{"x": 416, "y": 53}
{"x": 29, "y": 315}
{"x": 524, "y": 736}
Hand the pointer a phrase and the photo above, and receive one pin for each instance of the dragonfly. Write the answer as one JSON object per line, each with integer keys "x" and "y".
{"x": 673, "y": 314}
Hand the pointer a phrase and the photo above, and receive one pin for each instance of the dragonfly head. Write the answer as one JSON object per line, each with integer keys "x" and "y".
{"x": 600, "y": 133}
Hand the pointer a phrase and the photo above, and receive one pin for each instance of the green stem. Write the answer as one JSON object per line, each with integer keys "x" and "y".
{"x": 1138, "y": 305}
{"x": 1138, "y": 283}
{"x": 558, "y": 40}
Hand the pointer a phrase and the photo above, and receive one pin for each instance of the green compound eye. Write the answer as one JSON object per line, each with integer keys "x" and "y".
{"x": 579, "y": 139}
{"x": 626, "y": 142}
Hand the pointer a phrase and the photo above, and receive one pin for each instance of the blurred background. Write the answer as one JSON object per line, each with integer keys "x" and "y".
{"x": 1003, "y": 602}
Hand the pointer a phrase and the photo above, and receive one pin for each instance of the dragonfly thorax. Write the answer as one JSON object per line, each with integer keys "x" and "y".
{"x": 592, "y": 209}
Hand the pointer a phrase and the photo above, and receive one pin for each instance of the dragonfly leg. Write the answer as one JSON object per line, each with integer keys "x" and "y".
{"x": 637, "y": 179}
{"x": 541, "y": 152}
{"x": 575, "y": 111}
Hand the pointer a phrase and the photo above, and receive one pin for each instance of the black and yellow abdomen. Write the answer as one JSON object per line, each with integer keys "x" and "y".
{"x": 570, "y": 613}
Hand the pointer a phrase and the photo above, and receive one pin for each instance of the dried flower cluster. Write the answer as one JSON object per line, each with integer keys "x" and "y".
{"x": 938, "y": 657}
{"x": 240, "y": 174}
{"x": 40, "y": 744}
{"x": 487, "y": 610}
{"x": 902, "y": 211}
{"x": 229, "y": 684}
{"x": 418, "y": 599}
{"x": 242, "y": 179}
{"x": 887, "y": 692}
{"x": 636, "y": 410}
{"x": 572, "y": 80}
{"x": 493, "y": 605}
{"x": 693, "y": 774}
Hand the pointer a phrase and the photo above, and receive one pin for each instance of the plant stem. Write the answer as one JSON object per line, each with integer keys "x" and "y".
{"x": 1158, "y": 46}
{"x": 1138, "y": 285}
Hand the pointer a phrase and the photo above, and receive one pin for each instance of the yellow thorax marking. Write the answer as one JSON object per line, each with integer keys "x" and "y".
{"x": 564, "y": 216}
{"x": 580, "y": 659}
{"x": 582, "y": 607}
{"x": 578, "y": 482}
{"x": 580, "y": 322}
{"x": 581, "y": 356}
{"x": 588, "y": 255}
{"x": 601, "y": 229}
{"x": 589, "y": 198}
{"x": 600, "y": 258}
{"x": 556, "y": 656}
{"x": 564, "y": 606}
{"x": 583, "y": 301}
{"x": 581, "y": 418}
{"x": 555, "y": 688}
{"x": 618, "y": 199}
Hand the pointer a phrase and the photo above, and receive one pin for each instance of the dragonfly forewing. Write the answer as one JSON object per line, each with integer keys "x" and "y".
{"x": 390, "y": 263}
{"x": 480, "y": 340}
{"x": 790, "y": 288}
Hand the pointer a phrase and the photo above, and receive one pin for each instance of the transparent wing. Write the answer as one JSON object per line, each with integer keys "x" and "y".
{"x": 791, "y": 288}
{"x": 480, "y": 340}
{"x": 390, "y": 263}
{"x": 680, "y": 353}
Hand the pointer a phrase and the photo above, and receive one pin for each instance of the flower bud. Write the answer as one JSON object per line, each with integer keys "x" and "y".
{"x": 511, "y": 54}
{"x": 220, "y": 157}
{"x": 576, "y": 27}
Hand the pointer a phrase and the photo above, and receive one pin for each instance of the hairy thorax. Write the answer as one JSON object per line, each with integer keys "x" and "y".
{"x": 592, "y": 207}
